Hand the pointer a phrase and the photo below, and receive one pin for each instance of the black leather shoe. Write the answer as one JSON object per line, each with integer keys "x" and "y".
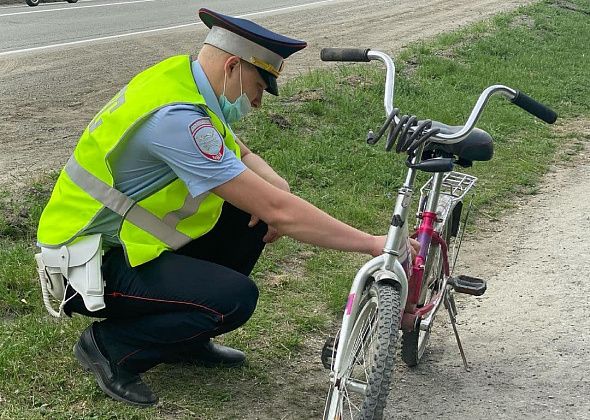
{"x": 212, "y": 354}
{"x": 115, "y": 382}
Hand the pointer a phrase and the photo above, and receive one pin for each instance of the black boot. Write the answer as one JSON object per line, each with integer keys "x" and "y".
{"x": 117, "y": 383}
{"x": 211, "y": 354}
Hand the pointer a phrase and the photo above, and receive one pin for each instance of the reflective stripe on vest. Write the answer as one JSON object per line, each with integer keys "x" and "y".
{"x": 125, "y": 207}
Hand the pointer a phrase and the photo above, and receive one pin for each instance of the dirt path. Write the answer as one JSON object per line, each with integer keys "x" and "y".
{"x": 527, "y": 345}
{"x": 526, "y": 339}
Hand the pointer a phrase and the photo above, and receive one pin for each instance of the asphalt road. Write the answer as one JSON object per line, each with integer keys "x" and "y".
{"x": 52, "y": 24}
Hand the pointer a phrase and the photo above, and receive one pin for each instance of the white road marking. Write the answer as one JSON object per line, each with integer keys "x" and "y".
{"x": 86, "y": 41}
{"x": 169, "y": 28}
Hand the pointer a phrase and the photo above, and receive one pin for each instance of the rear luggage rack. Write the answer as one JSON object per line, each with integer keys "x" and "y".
{"x": 455, "y": 184}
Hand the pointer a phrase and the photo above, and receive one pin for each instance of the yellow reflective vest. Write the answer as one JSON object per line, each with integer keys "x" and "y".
{"x": 165, "y": 220}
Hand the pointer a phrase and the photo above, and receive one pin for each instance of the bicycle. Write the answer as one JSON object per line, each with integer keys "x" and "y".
{"x": 389, "y": 294}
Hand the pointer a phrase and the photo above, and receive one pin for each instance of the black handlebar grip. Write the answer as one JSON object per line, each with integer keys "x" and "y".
{"x": 344, "y": 54}
{"x": 536, "y": 108}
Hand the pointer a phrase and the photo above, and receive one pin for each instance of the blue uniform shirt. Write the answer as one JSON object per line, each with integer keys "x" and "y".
{"x": 177, "y": 141}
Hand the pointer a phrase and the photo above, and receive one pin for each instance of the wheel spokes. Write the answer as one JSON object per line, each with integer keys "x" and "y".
{"x": 355, "y": 379}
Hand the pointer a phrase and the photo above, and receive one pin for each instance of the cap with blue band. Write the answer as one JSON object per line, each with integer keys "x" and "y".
{"x": 264, "y": 49}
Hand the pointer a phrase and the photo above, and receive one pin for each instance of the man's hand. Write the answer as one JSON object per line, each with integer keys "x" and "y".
{"x": 414, "y": 248}
{"x": 258, "y": 165}
{"x": 272, "y": 234}
{"x": 379, "y": 244}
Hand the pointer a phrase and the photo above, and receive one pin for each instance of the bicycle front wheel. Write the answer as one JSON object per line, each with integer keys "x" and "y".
{"x": 364, "y": 377}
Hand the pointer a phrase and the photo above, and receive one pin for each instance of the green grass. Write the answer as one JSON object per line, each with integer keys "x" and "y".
{"x": 314, "y": 136}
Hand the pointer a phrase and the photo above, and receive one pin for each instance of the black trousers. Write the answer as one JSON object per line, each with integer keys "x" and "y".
{"x": 164, "y": 310}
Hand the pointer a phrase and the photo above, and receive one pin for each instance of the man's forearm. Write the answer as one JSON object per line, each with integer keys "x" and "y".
{"x": 263, "y": 170}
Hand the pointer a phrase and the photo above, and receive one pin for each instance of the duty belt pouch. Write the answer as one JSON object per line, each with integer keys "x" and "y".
{"x": 76, "y": 265}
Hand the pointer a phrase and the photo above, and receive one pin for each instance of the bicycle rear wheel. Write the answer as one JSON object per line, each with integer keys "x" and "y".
{"x": 414, "y": 343}
{"x": 367, "y": 357}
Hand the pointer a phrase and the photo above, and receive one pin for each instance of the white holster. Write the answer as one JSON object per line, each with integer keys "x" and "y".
{"x": 76, "y": 265}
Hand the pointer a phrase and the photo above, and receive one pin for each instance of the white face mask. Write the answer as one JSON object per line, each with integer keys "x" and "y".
{"x": 233, "y": 111}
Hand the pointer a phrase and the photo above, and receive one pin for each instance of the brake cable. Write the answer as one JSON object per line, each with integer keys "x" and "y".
{"x": 408, "y": 132}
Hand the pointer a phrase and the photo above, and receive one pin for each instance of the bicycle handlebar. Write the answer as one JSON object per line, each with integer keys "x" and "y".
{"x": 345, "y": 54}
{"x": 516, "y": 97}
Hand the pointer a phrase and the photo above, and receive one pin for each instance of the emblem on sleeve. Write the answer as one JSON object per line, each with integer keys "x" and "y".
{"x": 207, "y": 139}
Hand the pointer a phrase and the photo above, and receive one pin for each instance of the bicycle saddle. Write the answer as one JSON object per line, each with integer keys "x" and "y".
{"x": 477, "y": 146}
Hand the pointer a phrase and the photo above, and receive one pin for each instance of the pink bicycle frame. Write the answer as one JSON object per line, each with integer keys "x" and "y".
{"x": 425, "y": 235}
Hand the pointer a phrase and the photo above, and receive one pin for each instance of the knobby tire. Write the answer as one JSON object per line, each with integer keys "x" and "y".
{"x": 369, "y": 355}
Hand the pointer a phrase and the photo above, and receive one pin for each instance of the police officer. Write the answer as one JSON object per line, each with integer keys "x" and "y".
{"x": 184, "y": 208}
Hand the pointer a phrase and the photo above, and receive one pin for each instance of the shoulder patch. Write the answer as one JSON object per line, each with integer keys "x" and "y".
{"x": 207, "y": 139}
